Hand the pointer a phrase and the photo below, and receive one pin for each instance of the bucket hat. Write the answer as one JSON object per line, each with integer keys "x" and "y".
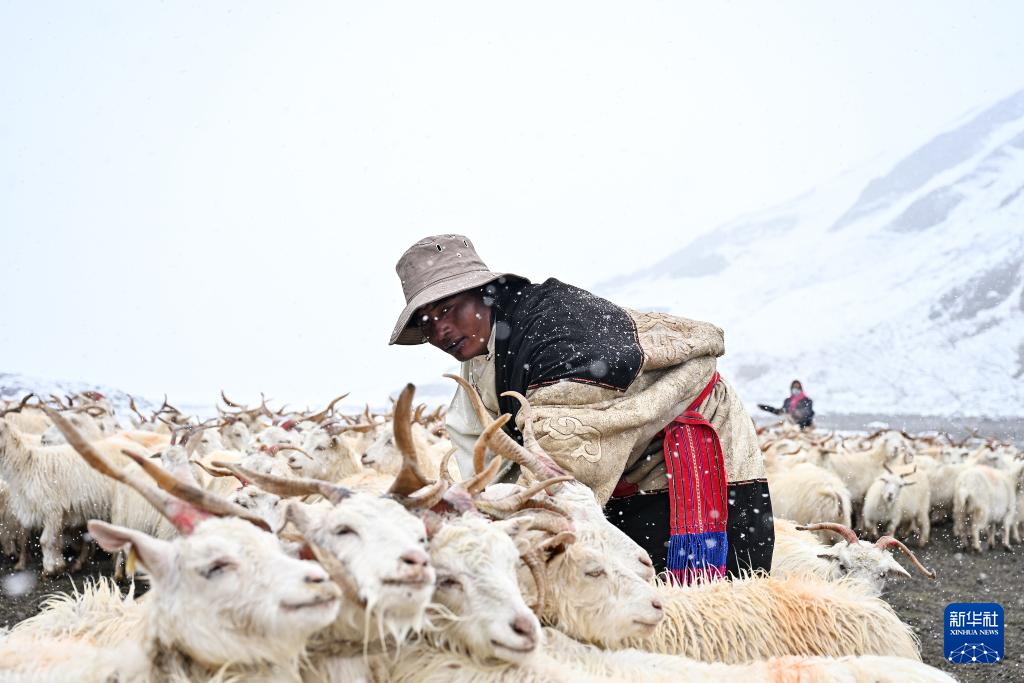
{"x": 435, "y": 268}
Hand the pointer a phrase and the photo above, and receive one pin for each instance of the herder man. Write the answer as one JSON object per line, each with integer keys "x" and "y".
{"x": 629, "y": 403}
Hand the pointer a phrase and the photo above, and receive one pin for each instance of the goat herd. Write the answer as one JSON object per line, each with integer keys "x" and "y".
{"x": 287, "y": 546}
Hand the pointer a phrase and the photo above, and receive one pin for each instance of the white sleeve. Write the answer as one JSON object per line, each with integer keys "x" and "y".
{"x": 463, "y": 428}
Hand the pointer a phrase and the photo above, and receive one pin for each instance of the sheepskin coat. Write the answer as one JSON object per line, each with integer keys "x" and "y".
{"x": 602, "y": 381}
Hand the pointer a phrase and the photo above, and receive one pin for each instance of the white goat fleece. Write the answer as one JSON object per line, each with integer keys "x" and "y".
{"x": 476, "y": 587}
{"x": 711, "y": 622}
{"x": 325, "y": 457}
{"x": 899, "y": 499}
{"x": 941, "y": 484}
{"x": 10, "y": 527}
{"x": 52, "y": 487}
{"x": 383, "y": 548}
{"x": 859, "y": 470}
{"x": 564, "y": 659}
{"x": 800, "y": 552}
{"x": 985, "y": 497}
{"x": 383, "y": 454}
{"x": 807, "y": 494}
{"x": 225, "y": 600}
{"x": 587, "y": 515}
{"x": 29, "y": 421}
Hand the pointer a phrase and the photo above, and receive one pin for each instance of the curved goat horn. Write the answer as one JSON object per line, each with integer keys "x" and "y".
{"x": 889, "y": 542}
{"x": 228, "y": 402}
{"x": 560, "y": 539}
{"x": 181, "y": 514}
{"x": 503, "y": 444}
{"x": 326, "y": 411}
{"x": 409, "y": 478}
{"x": 841, "y": 529}
{"x": 530, "y": 437}
{"x": 514, "y": 502}
{"x": 338, "y": 573}
{"x": 827, "y": 437}
{"x": 480, "y": 448}
{"x": 287, "y": 486}
{"x": 19, "y": 407}
{"x": 278, "y": 447}
{"x": 480, "y": 480}
{"x": 135, "y": 409}
{"x": 537, "y": 569}
{"x": 194, "y": 495}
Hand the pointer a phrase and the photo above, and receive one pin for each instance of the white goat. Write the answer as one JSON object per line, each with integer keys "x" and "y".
{"x": 807, "y": 493}
{"x": 51, "y": 488}
{"x": 225, "y": 599}
{"x": 983, "y": 498}
{"x": 798, "y": 551}
{"x": 898, "y": 498}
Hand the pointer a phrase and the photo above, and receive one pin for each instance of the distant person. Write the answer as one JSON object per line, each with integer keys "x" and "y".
{"x": 797, "y": 405}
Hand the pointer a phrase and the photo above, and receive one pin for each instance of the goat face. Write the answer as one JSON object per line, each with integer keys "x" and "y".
{"x": 323, "y": 453}
{"x": 303, "y": 464}
{"x": 108, "y": 424}
{"x": 587, "y": 513}
{"x": 898, "y": 450}
{"x": 265, "y": 464}
{"x": 954, "y": 455}
{"x": 383, "y": 455}
{"x": 266, "y": 505}
{"x": 227, "y": 592}
{"x": 864, "y": 561}
{"x": 275, "y": 436}
{"x": 384, "y": 550}
{"x": 597, "y": 596}
{"x": 208, "y": 442}
{"x": 892, "y": 484}
{"x": 476, "y": 581}
{"x": 235, "y": 435}
{"x": 84, "y": 423}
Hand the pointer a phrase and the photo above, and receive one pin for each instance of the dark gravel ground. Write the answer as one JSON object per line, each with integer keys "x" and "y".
{"x": 992, "y": 576}
{"x": 962, "y": 577}
{"x": 21, "y": 593}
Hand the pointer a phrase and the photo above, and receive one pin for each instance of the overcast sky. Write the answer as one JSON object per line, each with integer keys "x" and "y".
{"x": 212, "y": 194}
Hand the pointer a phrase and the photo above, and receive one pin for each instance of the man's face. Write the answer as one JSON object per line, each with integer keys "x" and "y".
{"x": 459, "y": 325}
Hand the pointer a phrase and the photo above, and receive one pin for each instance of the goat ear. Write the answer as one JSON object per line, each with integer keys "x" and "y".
{"x": 156, "y": 556}
{"x": 299, "y": 514}
{"x": 432, "y": 522}
{"x": 895, "y": 570}
{"x": 514, "y": 525}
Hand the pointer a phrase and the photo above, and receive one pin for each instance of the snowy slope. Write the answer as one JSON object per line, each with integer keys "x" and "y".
{"x": 13, "y": 386}
{"x": 896, "y": 288}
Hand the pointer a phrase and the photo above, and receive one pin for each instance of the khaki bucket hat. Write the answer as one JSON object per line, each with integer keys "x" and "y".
{"x": 433, "y": 269}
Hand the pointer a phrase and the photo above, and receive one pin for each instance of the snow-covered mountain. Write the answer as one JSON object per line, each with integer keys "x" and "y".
{"x": 14, "y": 386}
{"x": 897, "y": 288}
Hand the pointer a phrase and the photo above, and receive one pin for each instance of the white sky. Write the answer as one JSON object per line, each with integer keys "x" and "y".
{"x": 211, "y": 194}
